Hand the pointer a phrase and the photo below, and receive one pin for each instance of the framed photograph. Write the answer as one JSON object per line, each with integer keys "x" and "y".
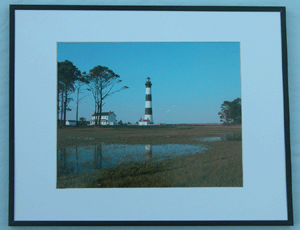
{"x": 149, "y": 115}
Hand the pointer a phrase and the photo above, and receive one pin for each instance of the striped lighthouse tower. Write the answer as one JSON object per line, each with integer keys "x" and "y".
{"x": 148, "y": 104}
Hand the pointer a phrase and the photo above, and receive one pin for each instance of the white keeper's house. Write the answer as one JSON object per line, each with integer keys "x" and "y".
{"x": 107, "y": 118}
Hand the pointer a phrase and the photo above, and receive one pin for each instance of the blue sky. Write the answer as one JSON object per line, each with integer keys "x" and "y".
{"x": 190, "y": 80}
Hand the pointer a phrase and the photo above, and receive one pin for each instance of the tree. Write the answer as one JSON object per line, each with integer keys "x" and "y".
{"x": 82, "y": 80}
{"x": 82, "y": 120}
{"x": 231, "y": 112}
{"x": 101, "y": 83}
{"x": 67, "y": 74}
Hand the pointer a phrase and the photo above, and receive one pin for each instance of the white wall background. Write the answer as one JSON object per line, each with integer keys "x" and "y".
{"x": 293, "y": 34}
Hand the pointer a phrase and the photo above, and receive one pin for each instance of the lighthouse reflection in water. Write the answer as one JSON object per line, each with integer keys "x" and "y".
{"x": 77, "y": 159}
{"x": 148, "y": 152}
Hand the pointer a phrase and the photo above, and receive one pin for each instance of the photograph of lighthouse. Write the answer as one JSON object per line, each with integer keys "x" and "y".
{"x": 149, "y": 115}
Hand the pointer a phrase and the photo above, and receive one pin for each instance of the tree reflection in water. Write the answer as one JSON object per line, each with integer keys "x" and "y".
{"x": 76, "y": 159}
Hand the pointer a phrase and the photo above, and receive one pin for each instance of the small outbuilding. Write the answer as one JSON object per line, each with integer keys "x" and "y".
{"x": 71, "y": 123}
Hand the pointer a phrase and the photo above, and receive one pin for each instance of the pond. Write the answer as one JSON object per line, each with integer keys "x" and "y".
{"x": 78, "y": 159}
{"x": 223, "y": 137}
{"x": 209, "y": 139}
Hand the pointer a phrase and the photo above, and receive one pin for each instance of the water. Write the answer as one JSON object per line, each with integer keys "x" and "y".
{"x": 209, "y": 139}
{"x": 87, "y": 158}
{"x": 223, "y": 137}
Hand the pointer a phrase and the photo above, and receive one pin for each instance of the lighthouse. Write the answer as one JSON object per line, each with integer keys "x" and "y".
{"x": 148, "y": 105}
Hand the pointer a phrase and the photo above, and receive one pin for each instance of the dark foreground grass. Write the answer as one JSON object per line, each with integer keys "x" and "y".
{"x": 211, "y": 169}
{"x": 220, "y": 166}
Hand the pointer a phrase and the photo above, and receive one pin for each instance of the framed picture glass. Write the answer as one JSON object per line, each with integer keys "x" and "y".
{"x": 149, "y": 115}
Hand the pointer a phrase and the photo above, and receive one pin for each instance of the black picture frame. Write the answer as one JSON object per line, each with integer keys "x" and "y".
{"x": 14, "y": 161}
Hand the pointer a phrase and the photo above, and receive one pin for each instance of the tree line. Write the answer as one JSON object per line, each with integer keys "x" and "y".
{"x": 231, "y": 112}
{"x": 100, "y": 81}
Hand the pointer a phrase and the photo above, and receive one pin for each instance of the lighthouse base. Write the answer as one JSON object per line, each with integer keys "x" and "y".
{"x": 149, "y": 117}
{"x": 144, "y": 122}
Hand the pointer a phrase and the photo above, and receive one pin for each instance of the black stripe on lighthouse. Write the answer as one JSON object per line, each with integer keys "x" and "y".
{"x": 148, "y": 97}
{"x": 148, "y": 111}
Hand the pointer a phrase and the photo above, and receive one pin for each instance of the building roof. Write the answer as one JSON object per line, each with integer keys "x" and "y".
{"x": 144, "y": 119}
{"x": 104, "y": 113}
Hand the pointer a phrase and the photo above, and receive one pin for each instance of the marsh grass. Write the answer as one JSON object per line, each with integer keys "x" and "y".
{"x": 152, "y": 135}
{"x": 219, "y": 166}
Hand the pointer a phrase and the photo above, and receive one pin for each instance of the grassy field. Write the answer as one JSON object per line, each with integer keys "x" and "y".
{"x": 219, "y": 166}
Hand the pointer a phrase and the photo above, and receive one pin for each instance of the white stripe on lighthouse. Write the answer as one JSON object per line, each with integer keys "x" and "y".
{"x": 148, "y": 104}
{"x": 148, "y": 90}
